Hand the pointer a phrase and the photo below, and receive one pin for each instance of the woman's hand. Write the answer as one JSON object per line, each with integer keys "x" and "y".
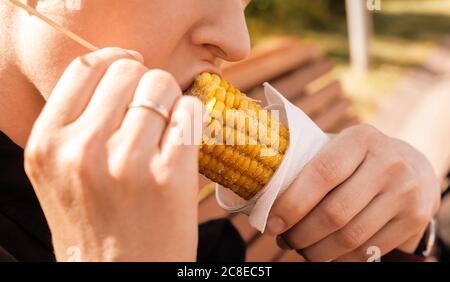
{"x": 116, "y": 183}
{"x": 363, "y": 189}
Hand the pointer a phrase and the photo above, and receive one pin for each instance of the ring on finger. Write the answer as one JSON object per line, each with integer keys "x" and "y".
{"x": 152, "y": 106}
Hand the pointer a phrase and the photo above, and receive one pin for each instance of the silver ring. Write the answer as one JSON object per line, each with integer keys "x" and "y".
{"x": 152, "y": 106}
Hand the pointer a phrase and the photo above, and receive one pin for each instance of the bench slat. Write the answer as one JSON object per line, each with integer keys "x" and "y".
{"x": 254, "y": 71}
{"x": 293, "y": 84}
{"x": 332, "y": 115}
{"x": 312, "y": 104}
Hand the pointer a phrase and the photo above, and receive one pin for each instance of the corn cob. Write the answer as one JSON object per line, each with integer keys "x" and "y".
{"x": 239, "y": 120}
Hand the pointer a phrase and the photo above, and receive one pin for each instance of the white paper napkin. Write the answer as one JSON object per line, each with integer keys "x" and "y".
{"x": 306, "y": 139}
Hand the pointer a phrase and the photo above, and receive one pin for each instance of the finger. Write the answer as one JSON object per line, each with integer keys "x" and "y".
{"x": 76, "y": 86}
{"x": 337, "y": 161}
{"x": 338, "y": 208}
{"x": 143, "y": 128}
{"x": 411, "y": 244}
{"x": 366, "y": 224}
{"x": 183, "y": 136}
{"x": 114, "y": 93}
{"x": 386, "y": 240}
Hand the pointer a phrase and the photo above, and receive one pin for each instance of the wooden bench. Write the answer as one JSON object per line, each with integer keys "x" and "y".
{"x": 305, "y": 77}
{"x": 419, "y": 110}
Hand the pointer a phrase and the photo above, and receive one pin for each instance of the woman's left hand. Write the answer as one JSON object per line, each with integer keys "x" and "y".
{"x": 362, "y": 189}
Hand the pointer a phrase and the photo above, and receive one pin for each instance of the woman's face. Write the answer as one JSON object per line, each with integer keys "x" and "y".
{"x": 184, "y": 37}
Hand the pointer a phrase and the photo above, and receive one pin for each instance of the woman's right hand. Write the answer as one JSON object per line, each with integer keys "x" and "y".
{"x": 116, "y": 184}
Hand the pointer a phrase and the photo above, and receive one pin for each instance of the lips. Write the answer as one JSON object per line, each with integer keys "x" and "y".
{"x": 190, "y": 82}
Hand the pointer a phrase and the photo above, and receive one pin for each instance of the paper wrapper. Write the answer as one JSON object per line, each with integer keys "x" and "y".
{"x": 306, "y": 139}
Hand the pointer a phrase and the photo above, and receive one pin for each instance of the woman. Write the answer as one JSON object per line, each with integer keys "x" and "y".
{"x": 113, "y": 181}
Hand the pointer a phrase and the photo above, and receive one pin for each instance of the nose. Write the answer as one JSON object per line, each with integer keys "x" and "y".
{"x": 224, "y": 33}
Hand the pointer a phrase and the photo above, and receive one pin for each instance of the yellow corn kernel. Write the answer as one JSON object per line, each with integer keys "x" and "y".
{"x": 239, "y": 120}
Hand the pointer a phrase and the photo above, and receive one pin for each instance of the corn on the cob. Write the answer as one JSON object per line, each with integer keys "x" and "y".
{"x": 239, "y": 120}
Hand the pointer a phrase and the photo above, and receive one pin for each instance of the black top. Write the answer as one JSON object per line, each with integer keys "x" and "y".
{"x": 24, "y": 232}
{"x": 25, "y": 236}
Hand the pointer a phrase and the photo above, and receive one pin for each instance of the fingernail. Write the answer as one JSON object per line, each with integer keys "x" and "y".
{"x": 282, "y": 243}
{"x": 275, "y": 225}
{"x": 138, "y": 56}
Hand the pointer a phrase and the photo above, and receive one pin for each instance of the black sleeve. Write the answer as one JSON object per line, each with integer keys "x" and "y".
{"x": 5, "y": 256}
{"x": 24, "y": 233}
{"x": 219, "y": 241}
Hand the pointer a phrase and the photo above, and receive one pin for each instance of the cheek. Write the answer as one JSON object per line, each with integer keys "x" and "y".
{"x": 44, "y": 55}
{"x": 162, "y": 37}
{"x": 159, "y": 29}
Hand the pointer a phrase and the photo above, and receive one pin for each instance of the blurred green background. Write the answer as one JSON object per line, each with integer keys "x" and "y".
{"x": 404, "y": 34}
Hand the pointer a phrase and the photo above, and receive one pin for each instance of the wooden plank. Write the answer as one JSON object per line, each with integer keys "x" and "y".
{"x": 333, "y": 114}
{"x": 291, "y": 256}
{"x": 209, "y": 209}
{"x": 312, "y": 104}
{"x": 247, "y": 232}
{"x": 293, "y": 84}
{"x": 254, "y": 71}
{"x": 261, "y": 51}
{"x": 419, "y": 114}
{"x": 265, "y": 249}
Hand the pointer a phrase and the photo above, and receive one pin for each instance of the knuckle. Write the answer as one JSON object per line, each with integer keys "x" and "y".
{"x": 335, "y": 214}
{"x": 95, "y": 60}
{"x": 126, "y": 66}
{"x": 326, "y": 169}
{"x": 165, "y": 176}
{"x": 363, "y": 253}
{"x": 368, "y": 131}
{"x": 420, "y": 218}
{"x": 410, "y": 191}
{"x": 80, "y": 155}
{"x": 36, "y": 155}
{"x": 163, "y": 79}
{"x": 395, "y": 164}
{"x": 80, "y": 63}
{"x": 161, "y": 76}
{"x": 296, "y": 211}
{"x": 367, "y": 134}
{"x": 351, "y": 237}
{"x": 288, "y": 210}
{"x": 110, "y": 52}
{"x": 125, "y": 168}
